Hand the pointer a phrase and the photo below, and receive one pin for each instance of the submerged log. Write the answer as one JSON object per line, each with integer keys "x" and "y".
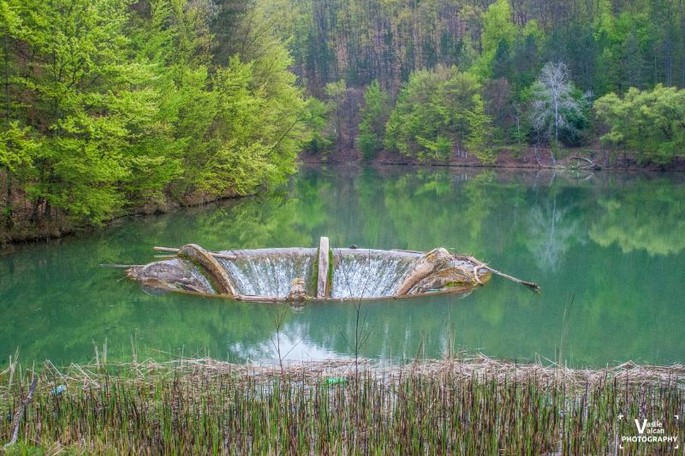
{"x": 452, "y": 276}
{"x": 172, "y": 275}
{"x": 532, "y": 286}
{"x": 434, "y": 260}
{"x": 217, "y": 275}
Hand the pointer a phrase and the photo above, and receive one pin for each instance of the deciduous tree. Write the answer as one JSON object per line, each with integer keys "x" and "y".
{"x": 557, "y": 110}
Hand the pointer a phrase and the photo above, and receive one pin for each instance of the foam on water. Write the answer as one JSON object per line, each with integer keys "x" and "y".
{"x": 269, "y": 273}
{"x": 369, "y": 273}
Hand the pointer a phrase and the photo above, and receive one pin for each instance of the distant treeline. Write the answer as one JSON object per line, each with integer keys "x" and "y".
{"x": 109, "y": 105}
{"x": 500, "y": 64}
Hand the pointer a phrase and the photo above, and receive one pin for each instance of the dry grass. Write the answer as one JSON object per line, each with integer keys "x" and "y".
{"x": 469, "y": 405}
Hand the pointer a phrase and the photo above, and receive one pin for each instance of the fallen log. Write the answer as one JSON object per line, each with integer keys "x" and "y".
{"x": 217, "y": 274}
{"x": 432, "y": 261}
{"x": 238, "y": 273}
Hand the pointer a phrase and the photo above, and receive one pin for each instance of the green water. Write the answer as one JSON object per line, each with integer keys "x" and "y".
{"x": 608, "y": 251}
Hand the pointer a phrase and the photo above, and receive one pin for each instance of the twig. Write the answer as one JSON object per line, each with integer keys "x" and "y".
{"x": 223, "y": 256}
{"x": 591, "y": 165}
{"x": 120, "y": 266}
{"x": 532, "y": 286}
{"x": 20, "y": 413}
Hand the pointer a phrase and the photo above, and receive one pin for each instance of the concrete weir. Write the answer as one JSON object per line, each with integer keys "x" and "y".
{"x": 324, "y": 273}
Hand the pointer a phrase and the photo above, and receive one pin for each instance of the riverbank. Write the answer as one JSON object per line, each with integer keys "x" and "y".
{"x": 470, "y": 405}
{"x": 53, "y": 224}
{"x": 590, "y": 159}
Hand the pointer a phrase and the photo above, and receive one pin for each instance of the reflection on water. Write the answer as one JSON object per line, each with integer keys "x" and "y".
{"x": 608, "y": 251}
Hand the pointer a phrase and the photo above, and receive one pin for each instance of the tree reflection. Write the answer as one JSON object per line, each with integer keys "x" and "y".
{"x": 550, "y": 234}
{"x": 648, "y": 215}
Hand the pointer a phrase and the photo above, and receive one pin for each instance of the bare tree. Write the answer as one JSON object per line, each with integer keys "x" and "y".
{"x": 554, "y": 107}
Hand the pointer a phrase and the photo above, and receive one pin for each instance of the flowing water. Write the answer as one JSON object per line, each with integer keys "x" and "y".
{"x": 270, "y": 275}
{"x": 607, "y": 249}
{"x": 368, "y": 272}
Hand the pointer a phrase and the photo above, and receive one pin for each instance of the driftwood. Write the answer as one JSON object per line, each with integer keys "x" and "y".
{"x": 197, "y": 271}
{"x": 480, "y": 265}
{"x": 432, "y": 261}
{"x": 20, "y": 413}
{"x": 217, "y": 274}
{"x": 297, "y": 292}
{"x": 590, "y": 164}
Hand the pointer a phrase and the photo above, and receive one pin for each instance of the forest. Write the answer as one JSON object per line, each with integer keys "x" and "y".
{"x": 118, "y": 106}
{"x": 435, "y": 78}
{"x": 111, "y": 106}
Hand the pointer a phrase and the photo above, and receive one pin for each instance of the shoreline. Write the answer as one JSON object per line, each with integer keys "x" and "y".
{"x": 529, "y": 158}
{"x": 58, "y": 226}
{"x": 470, "y": 406}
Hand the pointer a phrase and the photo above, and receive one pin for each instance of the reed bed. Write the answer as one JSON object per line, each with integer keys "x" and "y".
{"x": 467, "y": 406}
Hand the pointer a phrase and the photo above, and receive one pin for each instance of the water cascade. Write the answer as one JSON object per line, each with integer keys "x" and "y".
{"x": 270, "y": 272}
{"x": 298, "y": 274}
{"x": 369, "y": 273}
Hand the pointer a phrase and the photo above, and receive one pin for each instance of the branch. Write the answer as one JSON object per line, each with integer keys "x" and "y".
{"x": 532, "y": 286}
{"x": 20, "y": 413}
{"x": 591, "y": 164}
{"x": 214, "y": 254}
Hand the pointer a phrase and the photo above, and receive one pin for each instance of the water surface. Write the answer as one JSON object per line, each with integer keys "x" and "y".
{"x": 607, "y": 249}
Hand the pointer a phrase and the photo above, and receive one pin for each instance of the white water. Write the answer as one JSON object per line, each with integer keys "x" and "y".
{"x": 368, "y": 273}
{"x": 270, "y": 275}
{"x": 198, "y": 277}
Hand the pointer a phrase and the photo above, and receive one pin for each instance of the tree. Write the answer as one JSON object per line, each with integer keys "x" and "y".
{"x": 557, "y": 111}
{"x": 649, "y": 122}
{"x": 336, "y": 94}
{"x": 374, "y": 115}
{"x": 438, "y": 112}
{"x": 111, "y": 105}
{"x": 497, "y": 38}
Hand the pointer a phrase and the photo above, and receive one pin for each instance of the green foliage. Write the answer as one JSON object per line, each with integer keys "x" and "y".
{"x": 656, "y": 230}
{"x": 608, "y": 46}
{"x": 110, "y": 105}
{"x": 497, "y": 38}
{"x": 316, "y": 118}
{"x": 17, "y": 149}
{"x": 374, "y": 115}
{"x": 649, "y": 121}
{"x": 438, "y": 112}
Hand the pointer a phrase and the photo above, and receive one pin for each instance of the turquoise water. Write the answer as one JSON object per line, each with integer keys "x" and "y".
{"x": 608, "y": 251}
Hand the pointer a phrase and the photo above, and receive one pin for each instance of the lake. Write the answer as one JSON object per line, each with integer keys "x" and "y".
{"x": 607, "y": 249}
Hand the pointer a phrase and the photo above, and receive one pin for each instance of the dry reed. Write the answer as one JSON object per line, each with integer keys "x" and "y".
{"x": 472, "y": 405}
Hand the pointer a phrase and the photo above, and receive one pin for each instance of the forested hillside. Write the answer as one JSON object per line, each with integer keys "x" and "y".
{"x": 112, "y": 105}
{"x": 607, "y": 44}
{"x": 417, "y": 50}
